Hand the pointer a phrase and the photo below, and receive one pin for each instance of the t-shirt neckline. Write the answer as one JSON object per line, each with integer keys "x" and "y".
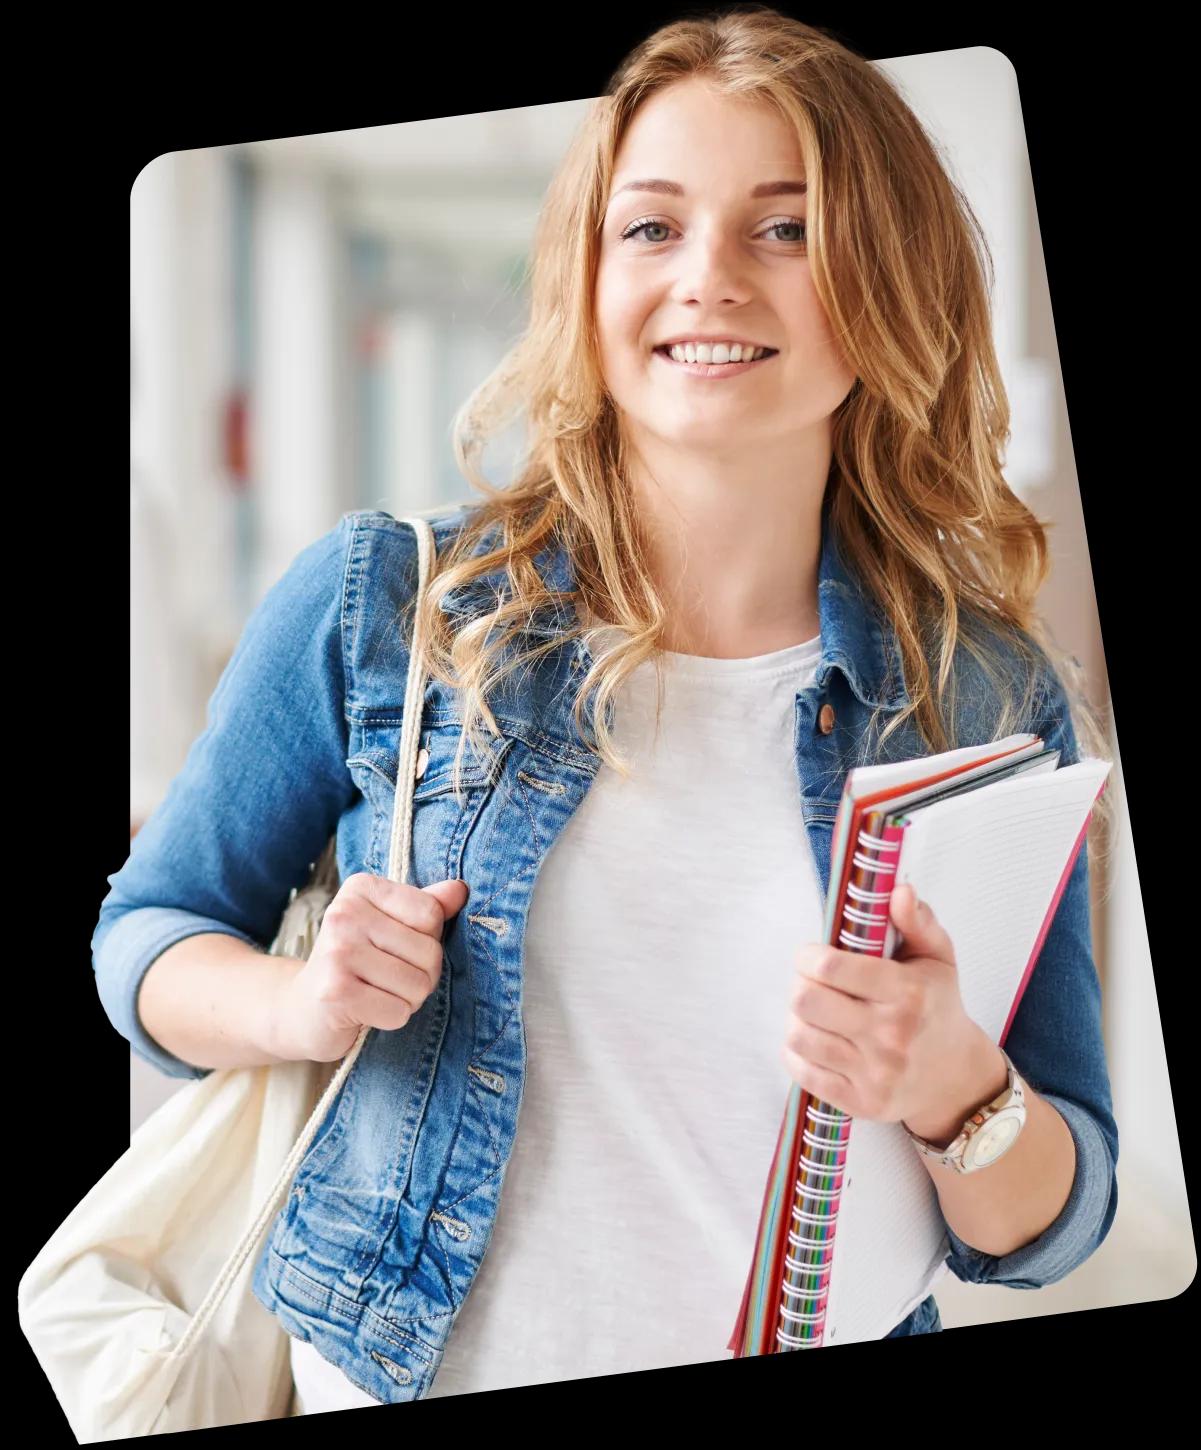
{"x": 777, "y": 661}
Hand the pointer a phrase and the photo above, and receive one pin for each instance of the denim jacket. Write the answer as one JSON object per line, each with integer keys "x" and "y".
{"x": 392, "y": 1209}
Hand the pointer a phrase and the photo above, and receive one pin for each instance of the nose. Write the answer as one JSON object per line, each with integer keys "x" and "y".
{"x": 712, "y": 271}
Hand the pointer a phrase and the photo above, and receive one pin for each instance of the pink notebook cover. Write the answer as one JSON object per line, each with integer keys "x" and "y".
{"x": 1047, "y": 920}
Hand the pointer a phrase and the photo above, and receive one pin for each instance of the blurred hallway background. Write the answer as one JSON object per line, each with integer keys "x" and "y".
{"x": 306, "y": 316}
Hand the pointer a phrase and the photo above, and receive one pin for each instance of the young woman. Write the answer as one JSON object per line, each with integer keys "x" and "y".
{"x": 761, "y": 535}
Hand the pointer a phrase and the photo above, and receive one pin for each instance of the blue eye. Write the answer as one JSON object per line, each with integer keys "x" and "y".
{"x": 792, "y": 222}
{"x": 646, "y": 222}
{"x": 636, "y": 227}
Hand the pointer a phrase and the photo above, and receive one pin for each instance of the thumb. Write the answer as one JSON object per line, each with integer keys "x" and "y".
{"x": 923, "y": 935}
{"x": 450, "y": 895}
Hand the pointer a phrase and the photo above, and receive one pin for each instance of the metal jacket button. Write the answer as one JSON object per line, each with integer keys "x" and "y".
{"x": 825, "y": 719}
{"x": 423, "y": 759}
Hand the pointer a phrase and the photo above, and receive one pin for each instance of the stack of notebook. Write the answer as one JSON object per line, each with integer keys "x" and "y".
{"x": 851, "y": 1237}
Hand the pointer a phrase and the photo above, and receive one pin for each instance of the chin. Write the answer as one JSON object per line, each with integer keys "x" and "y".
{"x": 701, "y": 436}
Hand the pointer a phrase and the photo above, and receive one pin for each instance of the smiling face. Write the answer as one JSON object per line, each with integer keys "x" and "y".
{"x": 710, "y": 242}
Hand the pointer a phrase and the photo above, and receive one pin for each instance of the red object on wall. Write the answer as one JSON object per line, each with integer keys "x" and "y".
{"x": 370, "y": 337}
{"x": 237, "y": 440}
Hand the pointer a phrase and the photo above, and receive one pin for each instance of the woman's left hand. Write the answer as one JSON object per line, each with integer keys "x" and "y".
{"x": 878, "y": 1038}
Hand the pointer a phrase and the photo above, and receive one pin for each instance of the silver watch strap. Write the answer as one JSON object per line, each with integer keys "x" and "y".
{"x": 952, "y": 1154}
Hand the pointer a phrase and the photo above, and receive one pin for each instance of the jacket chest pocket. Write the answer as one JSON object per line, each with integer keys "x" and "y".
{"x": 442, "y": 816}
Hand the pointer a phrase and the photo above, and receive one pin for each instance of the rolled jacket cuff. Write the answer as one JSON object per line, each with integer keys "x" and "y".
{"x": 126, "y": 953}
{"x": 1079, "y": 1230}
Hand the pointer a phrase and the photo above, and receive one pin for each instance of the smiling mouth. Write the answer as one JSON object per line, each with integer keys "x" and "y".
{"x": 712, "y": 371}
{"x": 665, "y": 351}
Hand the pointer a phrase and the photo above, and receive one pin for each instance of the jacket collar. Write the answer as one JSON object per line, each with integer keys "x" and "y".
{"x": 856, "y": 638}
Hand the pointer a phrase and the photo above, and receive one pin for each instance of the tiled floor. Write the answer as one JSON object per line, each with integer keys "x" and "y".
{"x": 1145, "y": 1257}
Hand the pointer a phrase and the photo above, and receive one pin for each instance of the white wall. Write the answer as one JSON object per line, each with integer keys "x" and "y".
{"x": 181, "y": 507}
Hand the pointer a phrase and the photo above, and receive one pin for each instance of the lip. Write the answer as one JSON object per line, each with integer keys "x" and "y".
{"x": 711, "y": 370}
{"x": 710, "y": 337}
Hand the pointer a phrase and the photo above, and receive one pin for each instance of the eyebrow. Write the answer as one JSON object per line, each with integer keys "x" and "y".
{"x": 673, "y": 188}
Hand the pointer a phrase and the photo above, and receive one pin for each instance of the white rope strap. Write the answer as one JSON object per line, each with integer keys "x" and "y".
{"x": 398, "y": 870}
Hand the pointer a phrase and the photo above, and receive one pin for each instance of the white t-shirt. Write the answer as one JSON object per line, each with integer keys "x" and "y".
{"x": 659, "y": 961}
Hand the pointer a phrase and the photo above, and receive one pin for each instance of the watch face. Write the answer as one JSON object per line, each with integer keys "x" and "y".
{"x": 995, "y": 1137}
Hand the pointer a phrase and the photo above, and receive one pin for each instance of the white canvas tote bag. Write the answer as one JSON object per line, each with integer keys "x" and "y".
{"x": 139, "y": 1308}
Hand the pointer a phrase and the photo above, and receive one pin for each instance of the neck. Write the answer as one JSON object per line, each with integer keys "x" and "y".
{"x": 734, "y": 544}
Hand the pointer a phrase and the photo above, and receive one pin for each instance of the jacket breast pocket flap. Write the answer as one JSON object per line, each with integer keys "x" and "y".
{"x": 374, "y": 762}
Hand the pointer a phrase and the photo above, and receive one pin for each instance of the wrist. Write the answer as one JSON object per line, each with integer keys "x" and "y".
{"x": 276, "y": 1011}
{"x": 981, "y": 1075}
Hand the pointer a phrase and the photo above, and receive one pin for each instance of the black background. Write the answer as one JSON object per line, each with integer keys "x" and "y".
{"x": 1092, "y": 127}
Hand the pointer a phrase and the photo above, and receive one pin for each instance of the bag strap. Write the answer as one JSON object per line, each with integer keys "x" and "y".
{"x": 398, "y": 870}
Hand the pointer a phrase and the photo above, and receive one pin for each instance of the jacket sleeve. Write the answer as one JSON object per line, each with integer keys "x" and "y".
{"x": 257, "y": 799}
{"x": 1056, "y": 1043}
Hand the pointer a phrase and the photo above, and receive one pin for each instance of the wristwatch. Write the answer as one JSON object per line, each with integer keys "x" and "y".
{"x": 988, "y": 1134}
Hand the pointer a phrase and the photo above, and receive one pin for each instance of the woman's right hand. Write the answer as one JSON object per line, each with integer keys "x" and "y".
{"x": 376, "y": 959}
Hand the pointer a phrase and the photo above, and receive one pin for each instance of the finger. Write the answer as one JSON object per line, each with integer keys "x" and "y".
{"x": 822, "y": 1006}
{"x": 923, "y": 935}
{"x": 421, "y": 910}
{"x": 828, "y": 1087}
{"x": 397, "y": 976}
{"x": 853, "y": 973}
{"x": 451, "y": 895}
{"x": 403, "y": 943}
{"x": 828, "y": 1050}
{"x": 356, "y": 917}
{"x": 374, "y": 1006}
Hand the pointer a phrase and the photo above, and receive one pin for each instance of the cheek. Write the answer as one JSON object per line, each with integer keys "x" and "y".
{"x": 818, "y": 371}
{"x": 621, "y": 314}
{"x": 822, "y": 344}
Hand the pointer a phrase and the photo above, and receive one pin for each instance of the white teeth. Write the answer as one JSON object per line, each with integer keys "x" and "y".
{"x": 717, "y": 352}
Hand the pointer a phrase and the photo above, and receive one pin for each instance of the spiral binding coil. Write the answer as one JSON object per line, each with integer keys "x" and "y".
{"x": 805, "y": 1286}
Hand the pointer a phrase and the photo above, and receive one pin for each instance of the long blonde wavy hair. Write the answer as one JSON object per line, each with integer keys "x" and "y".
{"x": 916, "y": 491}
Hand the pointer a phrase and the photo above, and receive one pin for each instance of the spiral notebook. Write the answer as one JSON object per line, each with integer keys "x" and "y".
{"x": 851, "y": 1236}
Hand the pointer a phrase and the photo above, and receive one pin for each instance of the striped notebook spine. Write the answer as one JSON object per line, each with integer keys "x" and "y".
{"x": 808, "y": 1254}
